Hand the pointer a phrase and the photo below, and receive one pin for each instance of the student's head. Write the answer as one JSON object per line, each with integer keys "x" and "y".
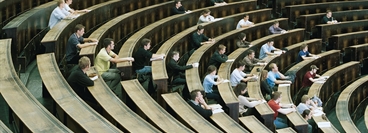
{"x": 240, "y": 65}
{"x": 305, "y": 99}
{"x": 206, "y": 12}
{"x": 195, "y": 95}
{"x": 251, "y": 54}
{"x": 270, "y": 42}
{"x": 242, "y": 36}
{"x": 276, "y": 24}
{"x": 240, "y": 89}
{"x": 221, "y": 49}
{"x": 246, "y": 17}
{"x": 264, "y": 74}
{"x": 304, "y": 47}
{"x": 108, "y": 43}
{"x": 273, "y": 67}
{"x": 79, "y": 29}
{"x": 307, "y": 114}
{"x": 60, "y": 3}
{"x": 177, "y": 3}
{"x": 328, "y": 13}
{"x": 211, "y": 70}
{"x": 276, "y": 96}
{"x": 314, "y": 68}
{"x": 84, "y": 62}
{"x": 200, "y": 29}
{"x": 68, "y": 2}
{"x": 175, "y": 55}
{"x": 146, "y": 43}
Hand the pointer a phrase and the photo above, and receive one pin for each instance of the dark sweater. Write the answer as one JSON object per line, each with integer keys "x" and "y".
{"x": 217, "y": 59}
{"x": 176, "y": 71}
{"x": 203, "y": 112}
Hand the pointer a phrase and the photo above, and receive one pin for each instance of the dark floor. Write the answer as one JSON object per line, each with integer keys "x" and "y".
{"x": 33, "y": 82}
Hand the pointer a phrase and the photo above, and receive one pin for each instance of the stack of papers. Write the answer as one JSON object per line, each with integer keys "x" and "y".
{"x": 323, "y": 124}
{"x": 230, "y": 60}
{"x": 281, "y": 85}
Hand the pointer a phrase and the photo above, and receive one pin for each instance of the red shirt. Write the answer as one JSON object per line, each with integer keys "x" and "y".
{"x": 306, "y": 82}
{"x": 274, "y": 106}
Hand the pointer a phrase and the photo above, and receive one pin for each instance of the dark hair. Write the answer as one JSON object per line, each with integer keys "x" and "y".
{"x": 210, "y": 69}
{"x": 240, "y": 63}
{"x": 200, "y": 27}
{"x": 245, "y": 15}
{"x": 264, "y": 72}
{"x": 78, "y": 27}
{"x": 276, "y": 95}
{"x": 174, "y": 53}
{"x": 250, "y": 52}
{"x": 270, "y": 40}
{"x": 145, "y": 42}
{"x": 107, "y": 42}
{"x": 241, "y": 36}
{"x": 305, "y": 113}
{"x": 328, "y": 11}
{"x": 194, "y": 93}
{"x": 239, "y": 88}
{"x": 276, "y": 22}
{"x": 177, "y": 1}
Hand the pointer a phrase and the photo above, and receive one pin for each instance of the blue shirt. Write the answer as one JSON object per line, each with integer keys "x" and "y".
{"x": 56, "y": 16}
{"x": 208, "y": 82}
{"x": 72, "y": 49}
{"x": 300, "y": 56}
{"x": 271, "y": 78}
{"x": 265, "y": 48}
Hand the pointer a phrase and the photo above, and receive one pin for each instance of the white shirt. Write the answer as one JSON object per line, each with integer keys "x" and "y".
{"x": 206, "y": 19}
{"x": 242, "y": 22}
{"x": 56, "y": 16}
{"x": 67, "y": 8}
{"x": 236, "y": 77}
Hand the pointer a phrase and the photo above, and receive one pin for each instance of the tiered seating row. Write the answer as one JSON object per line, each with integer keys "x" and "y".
{"x": 72, "y": 111}
{"x": 29, "y": 115}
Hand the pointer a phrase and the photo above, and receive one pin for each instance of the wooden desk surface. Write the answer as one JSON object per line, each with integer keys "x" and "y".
{"x": 4, "y": 128}
{"x": 286, "y": 130}
{"x": 68, "y": 100}
{"x": 121, "y": 113}
{"x": 188, "y": 114}
{"x": 254, "y": 125}
{"x": 151, "y": 108}
{"x": 227, "y": 123}
{"x": 21, "y": 101}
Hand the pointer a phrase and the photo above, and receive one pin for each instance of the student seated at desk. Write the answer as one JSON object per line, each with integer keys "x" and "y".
{"x": 219, "y": 56}
{"x": 198, "y": 38}
{"x": 306, "y": 103}
{"x": 103, "y": 62}
{"x": 218, "y": 2}
{"x": 243, "y": 23}
{"x": 328, "y": 19}
{"x": 178, "y": 9}
{"x": 304, "y": 54}
{"x": 251, "y": 61}
{"x": 199, "y": 104}
{"x": 246, "y": 104}
{"x": 307, "y": 115}
{"x": 275, "y": 29}
{"x": 79, "y": 81}
{"x": 208, "y": 83}
{"x": 265, "y": 88}
{"x": 242, "y": 43}
{"x": 277, "y": 107}
{"x": 275, "y": 77}
{"x": 59, "y": 13}
{"x": 266, "y": 50}
{"x": 205, "y": 17}
{"x": 238, "y": 76}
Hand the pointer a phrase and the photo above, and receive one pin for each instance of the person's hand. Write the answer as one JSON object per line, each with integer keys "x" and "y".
{"x": 201, "y": 101}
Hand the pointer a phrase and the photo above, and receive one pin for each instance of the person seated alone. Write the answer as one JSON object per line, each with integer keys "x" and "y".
{"x": 277, "y": 107}
{"x": 275, "y": 29}
{"x": 218, "y": 2}
{"x": 205, "y": 17}
{"x": 199, "y": 104}
{"x": 178, "y": 9}
{"x": 328, "y": 19}
{"x": 208, "y": 83}
{"x": 265, "y": 88}
{"x": 309, "y": 78}
{"x": 238, "y": 76}
{"x": 242, "y": 43}
{"x": 251, "y": 61}
{"x": 304, "y": 54}
{"x": 75, "y": 43}
{"x": 79, "y": 81}
{"x": 198, "y": 38}
{"x": 266, "y": 50}
{"x": 307, "y": 115}
{"x": 306, "y": 103}
{"x": 243, "y": 23}
{"x": 246, "y": 104}
{"x": 275, "y": 77}
{"x": 218, "y": 57}
{"x": 103, "y": 62}
{"x": 58, "y": 14}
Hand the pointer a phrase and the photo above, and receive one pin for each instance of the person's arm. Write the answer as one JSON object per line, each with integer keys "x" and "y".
{"x": 247, "y": 79}
{"x": 84, "y": 45}
{"x": 282, "y": 82}
{"x": 248, "y": 62}
{"x": 157, "y": 56}
{"x": 286, "y": 111}
{"x": 90, "y": 40}
{"x": 179, "y": 10}
{"x": 220, "y": 58}
{"x": 203, "y": 19}
{"x": 83, "y": 79}
{"x": 247, "y": 103}
{"x": 212, "y": 81}
{"x": 116, "y": 59}
{"x": 176, "y": 67}
{"x": 273, "y": 30}
{"x": 282, "y": 76}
